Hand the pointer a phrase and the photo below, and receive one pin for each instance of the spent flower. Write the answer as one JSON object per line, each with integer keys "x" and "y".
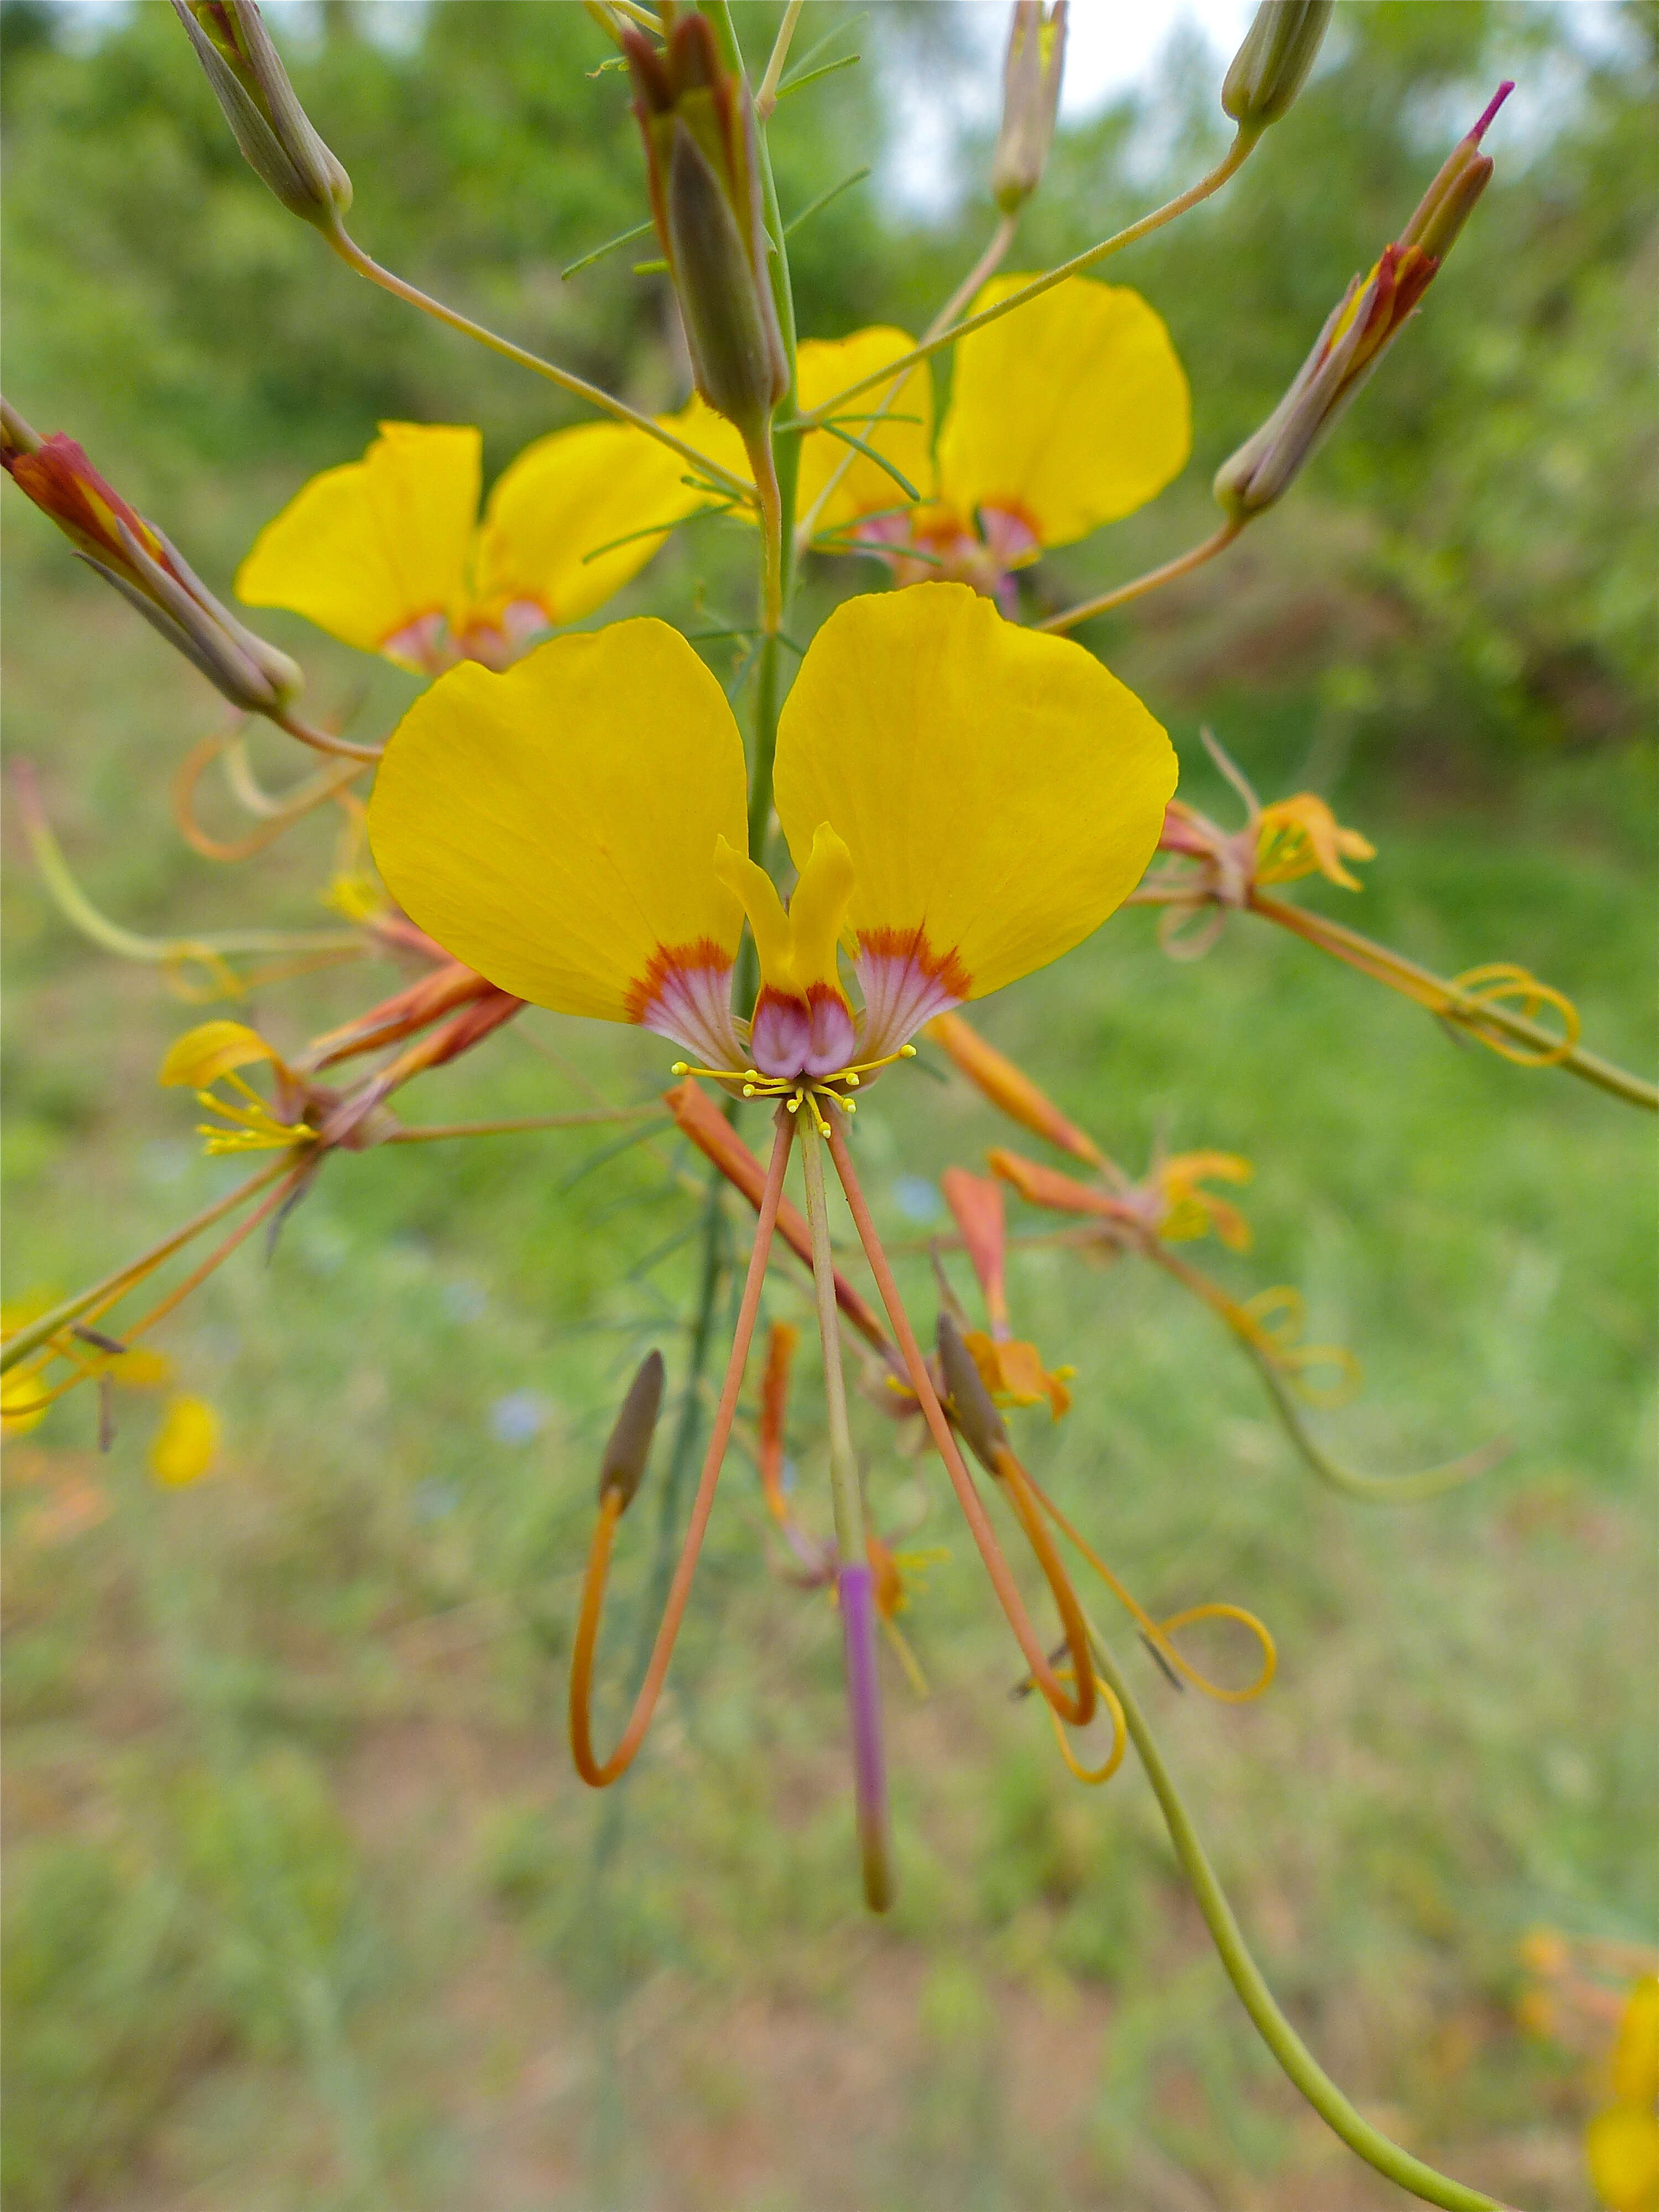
{"x": 272, "y": 128}
{"x": 1031, "y": 74}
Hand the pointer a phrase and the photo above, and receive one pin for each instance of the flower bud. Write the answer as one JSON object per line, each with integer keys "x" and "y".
{"x": 623, "y": 1468}
{"x": 981, "y": 1424}
{"x": 131, "y": 554}
{"x": 272, "y": 128}
{"x": 1368, "y": 317}
{"x": 1030, "y": 101}
{"x": 697, "y": 119}
{"x": 1270, "y": 67}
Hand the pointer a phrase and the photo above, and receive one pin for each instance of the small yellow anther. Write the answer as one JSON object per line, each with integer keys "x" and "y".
{"x": 907, "y": 1051}
{"x": 851, "y": 1079}
{"x": 681, "y": 1067}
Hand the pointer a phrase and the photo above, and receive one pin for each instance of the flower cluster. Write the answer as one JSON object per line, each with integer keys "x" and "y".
{"x": 933, "y": 798}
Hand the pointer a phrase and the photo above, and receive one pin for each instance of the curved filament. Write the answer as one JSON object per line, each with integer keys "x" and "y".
{"x": 1502, "y": 983}
{"x": 1066, "y": 1702}
{"x": 1094, "y": 1776}
{"x": 1159, "y": 1632}
{"x": 279, "y": 814}
{"x": 599, "y": 1775}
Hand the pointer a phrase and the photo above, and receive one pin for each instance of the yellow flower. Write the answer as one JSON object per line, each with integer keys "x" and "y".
{"x": 963, "y": 800}
{"x": 1069, "y": 413}
{"x": 1190, "y": 1209}
{"x": 184, "y": 1446}
{"x": 1301, "y": 836}
{"x": 388, "y": 554}
{"x": 211, "y": 1053}
{"x": 1622, "y": 2141}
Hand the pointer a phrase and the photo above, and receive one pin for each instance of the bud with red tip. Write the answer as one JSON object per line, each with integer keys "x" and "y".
{"x": 272, "y": 128}
{"x": 1030, "y": 101}
{"x": 146, "y": 570}
{"x": 1270, "y": 67}
{"x": 697, "y": 119}
{"x": 1368, "y": 317}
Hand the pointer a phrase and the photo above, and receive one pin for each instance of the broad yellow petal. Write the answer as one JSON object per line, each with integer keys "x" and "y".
{"x": 904, "y": 435}
{"x": 367, "y": 550}
{"x": 1000, "y": 792}
{"x": 555, "y": 827}
{"x": 202, "y": 1055}
{"x": 1621, "y": 2145}
{"x": 1068, "y": 412}
{"x": 563, "y": 499}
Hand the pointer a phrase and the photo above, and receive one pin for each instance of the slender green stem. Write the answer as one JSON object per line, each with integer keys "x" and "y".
{"x": 1153, "y": 580}
{"x": 38, "y": 1332}
{"x": 767, "y": 98}
{"x": 353, "y": 254}
{"x": 1190, "y": 198}
{"x": 981, "y": 273}
{"x": 1281, "y": 2039}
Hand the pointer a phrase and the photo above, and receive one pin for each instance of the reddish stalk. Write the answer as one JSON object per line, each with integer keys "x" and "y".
{"x": 598, "y": 1775}
{"x": 1071, "y": 1706}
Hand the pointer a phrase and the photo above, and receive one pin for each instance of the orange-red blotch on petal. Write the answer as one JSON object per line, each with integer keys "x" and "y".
{"x": 1009, "y": 1088}
{"x": 905, "y": 983}
{"x": 685, "y": 993}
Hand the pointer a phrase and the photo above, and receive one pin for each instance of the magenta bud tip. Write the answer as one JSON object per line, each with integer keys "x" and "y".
{"x": 1495, "y": 103}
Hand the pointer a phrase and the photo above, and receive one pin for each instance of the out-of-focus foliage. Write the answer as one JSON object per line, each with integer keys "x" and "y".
{"x": 158, "y": 290}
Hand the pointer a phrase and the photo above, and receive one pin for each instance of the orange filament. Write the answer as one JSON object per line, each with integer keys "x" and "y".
{"x": 1159, "y": 1631}
{"x": 1069, "y": 1704}
{"x": 600, "y": 1776}
{"x": 1094, "y": 1776}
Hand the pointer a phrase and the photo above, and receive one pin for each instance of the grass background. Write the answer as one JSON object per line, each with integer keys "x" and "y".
{"x": 306, "y": 1906}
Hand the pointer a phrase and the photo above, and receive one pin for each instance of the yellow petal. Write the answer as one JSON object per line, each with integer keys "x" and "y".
{"x": 22, "y": 1400}
{"x": 555, "y": 827}
{"x": 367, "y": 550}
{"x": 1621, "y": 2144}
{"x": 824, "y": 367}
{"x": 564, "y": 498}
{"x": 183, "y": 1447}
{"x": 202, "y": 1055}
{"x": 1069, "y": 412}
{"x": 1000, "y": 792}
{"x": 1636, "y": 2053}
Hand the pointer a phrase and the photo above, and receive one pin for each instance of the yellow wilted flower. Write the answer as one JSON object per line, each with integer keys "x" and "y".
{"x": 1300, "y": 837}
{"x": 388, "y": 553}
{"x": 184, "y": 1446}
{"x": 211, "y": 1054}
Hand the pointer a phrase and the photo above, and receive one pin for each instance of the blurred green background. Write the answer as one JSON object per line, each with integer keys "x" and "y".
{"x": 306, "y": 1906}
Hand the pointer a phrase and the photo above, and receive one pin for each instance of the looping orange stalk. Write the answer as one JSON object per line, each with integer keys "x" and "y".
{"x": 304, "y": 797}
{"x": 1159, "y": 1632}
{"x": 1066, "y": 1702}
{"x": 1092, "y": 1777}
{"x": 600, "y": 1774}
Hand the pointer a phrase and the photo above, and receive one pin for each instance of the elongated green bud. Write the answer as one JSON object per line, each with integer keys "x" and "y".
{"x": 1030, "y": 101}
{"x": 1271, "y": 65}
{"x": 623, "y": 1468}
{"x": 981, "y": 1424}
{"x": 697, "y": 120}
{"x": 272, "y": 128}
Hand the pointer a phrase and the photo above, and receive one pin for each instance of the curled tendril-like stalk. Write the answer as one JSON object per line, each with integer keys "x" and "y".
{"x": 278, "y": 814}
{"x": 288, "y": 953}
{"x": 1282, "y": 1365}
